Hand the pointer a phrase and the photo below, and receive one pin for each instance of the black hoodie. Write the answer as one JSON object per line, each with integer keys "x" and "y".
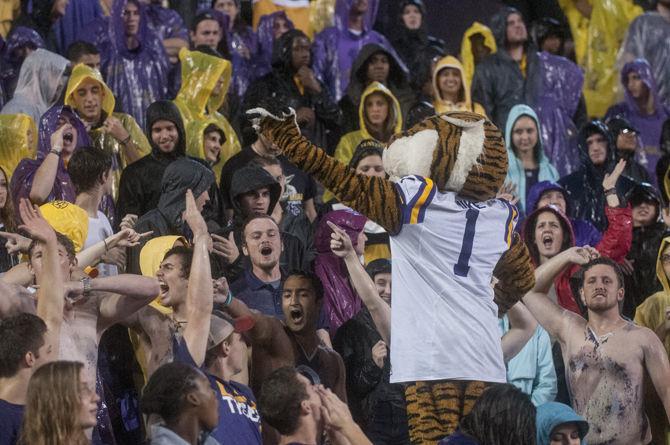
{"x": 279, "y": 85}
{"x": 140, "y": 185}
{"x": 181, "y": 175}
{"x": 397, "y": 82}
{"x": 584, "y": 187}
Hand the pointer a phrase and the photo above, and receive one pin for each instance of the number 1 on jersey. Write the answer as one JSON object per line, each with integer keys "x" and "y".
{"x": 462, "y": 268}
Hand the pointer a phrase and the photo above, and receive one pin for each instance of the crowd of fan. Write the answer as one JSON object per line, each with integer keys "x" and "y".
{"x": 169, "y": 277}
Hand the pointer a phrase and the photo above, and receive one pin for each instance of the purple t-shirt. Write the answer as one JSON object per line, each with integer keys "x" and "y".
{"x": 11, "y": 416}
{"x": 239, "y": 420}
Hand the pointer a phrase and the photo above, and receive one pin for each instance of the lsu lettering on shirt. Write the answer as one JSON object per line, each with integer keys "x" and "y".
{"x": 239, "y": 420}
{"x": 444, "y": 323}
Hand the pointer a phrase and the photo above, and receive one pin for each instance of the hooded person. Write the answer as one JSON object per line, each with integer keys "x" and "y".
{"x": 379, "y": 118}
{"x": 547, "y": 232}
{"x": 133, "y": 60}
{"x": 204, "y": 86}
{"x": 546, "y": 193}
{"x": 78, "y": 13}
{"x": 94, "y": 102}
{"x": 341, "y": 302}
{"x": 307, "y": 16}
{"x": 41, "y": 82}
{"x": 375, "y": 63}
{"x": 584, "y": 186}
{"x": 528, "y": 163}
{"x": 663, "y": 166}
{"x": 43, "y": 16}
{"x": 444, "y": 173}
{"x": 556, "y": 422}
{"x": 336, "y": 47}
{"x": 446, "y": 75}
{"x": 292, "y": 82}
{"x": 139, "y": 189}
{"x": 478, "y": 42}
{"x": 20, "y": 42}
{"x": 166, "y": 218}
{"x": 23, "y": 178}
{"x": 643, "y": 108}
{"x": 270, "y": 28}
{"x": 627, "y": 142}
{"x": 561, "y": 109}
{"x": 500, "y": 82}
{"x": 648, "y": 37}
{"x": 597, "y": 40}
{"x": 410, "y": 39}
{"x": 653, "y": 314}
{"x": 18, "y": 141}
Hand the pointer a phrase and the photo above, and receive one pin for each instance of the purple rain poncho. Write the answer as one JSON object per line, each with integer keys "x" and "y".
{"x": 40, "y": 84}
{"x": 166, "y": 23}
{"x": 648, "y": 125}
{"x": 137, "y": 77}
{"x": 263, "y": 63}
{"x": 556, "y": 104}
{"x": 243, "y": 69}
{"x": 340, "y": 300}
{"x": 78, "y": 14}
{"x": 336, "y": 47}
{"x": 22, "y": 179}
{"x": 20, "y": 37}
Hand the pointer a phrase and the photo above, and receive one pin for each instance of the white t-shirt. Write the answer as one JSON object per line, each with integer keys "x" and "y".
{"x": 98, "y": 229}
{"x": 444, "y": 323}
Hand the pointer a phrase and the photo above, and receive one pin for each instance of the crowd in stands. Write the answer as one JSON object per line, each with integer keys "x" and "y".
{"x": 174, "y": 269}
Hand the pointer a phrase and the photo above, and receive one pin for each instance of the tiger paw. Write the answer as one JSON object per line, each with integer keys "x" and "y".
{"x": 279, "y": 128}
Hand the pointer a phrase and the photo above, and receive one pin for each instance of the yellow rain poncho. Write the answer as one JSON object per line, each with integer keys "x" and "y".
{"x": 349, "y": 142}
{"x": 68, "y": 219}
{"x": 651, "y": 313}
{"x": 466, "y": 48}
{"x": 597, "y": 42}
{"x": 101, "y": 140}
{"x": 18, "y": 140}
{"x": 441, "y": 105}
{"x": 200, "y": 73}
{"x": 297, "y": 11}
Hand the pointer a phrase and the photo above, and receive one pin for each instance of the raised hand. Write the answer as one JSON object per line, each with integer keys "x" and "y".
{"x": 225, "y": 248}
{"x": 611, "y": 178}
{"x": 57, "y": 137}
{"x": 508, "y": 193}
{"x": 340, "y": 243}
{"x": 34, "y": 223}
{"x": 129, "y": 238}
{"x": 193, "y": 217}
{"x": 128, "y": 221}
{"x": 582, "y": 255}
{"x": 335, "y": 413}
{"x": 15, "y": 243}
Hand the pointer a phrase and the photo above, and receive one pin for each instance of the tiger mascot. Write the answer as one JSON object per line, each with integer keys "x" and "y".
{"x": 449, "y": 238}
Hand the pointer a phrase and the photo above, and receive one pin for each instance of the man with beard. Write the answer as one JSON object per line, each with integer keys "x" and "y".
{"x": 607, "y": 356}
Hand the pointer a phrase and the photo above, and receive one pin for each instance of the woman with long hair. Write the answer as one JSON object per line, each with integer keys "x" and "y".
{"x": 7, "y": 222}
{"x": 61, "y": 405}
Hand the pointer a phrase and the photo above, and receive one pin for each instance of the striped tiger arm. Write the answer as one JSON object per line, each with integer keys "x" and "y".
{"x": 376, "y": 198}
{"x": 515, "y": 275}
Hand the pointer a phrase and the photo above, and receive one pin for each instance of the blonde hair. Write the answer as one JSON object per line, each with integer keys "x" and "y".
{"x": 52, "y": 405}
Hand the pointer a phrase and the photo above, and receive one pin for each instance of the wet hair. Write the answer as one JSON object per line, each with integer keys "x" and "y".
{"x": 186, "y": 256}
{"x": 78, "y": 49}
{"x": 19, "y": 335}
{"x": 366, "y": 148}
{"x": 253, "y": 217}
{"x": 601, "y": 260}
{"x": 167, "y": 388}
{"x": 262, "y": 161}
{"x": 52, "y": 404}
{"x": 212, "y": 128}
{"x": 502, "y": 415}
{"x": 7, "y": 217}
{"x": 313, "y": 279}
{"x": 280, "y": 400}
{"x": 61, "y": 239}
{"x": 87, "y": 166}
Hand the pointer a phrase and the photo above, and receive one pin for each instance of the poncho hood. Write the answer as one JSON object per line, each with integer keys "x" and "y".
{"x": 464, "y": 95}
{"x": 82, "y": 72}
{"x": 376, "y": 87}
{"x": 552, "y": 414}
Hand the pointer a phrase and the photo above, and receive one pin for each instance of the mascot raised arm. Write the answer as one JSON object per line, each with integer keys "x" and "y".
{"x": 449, "y": 237}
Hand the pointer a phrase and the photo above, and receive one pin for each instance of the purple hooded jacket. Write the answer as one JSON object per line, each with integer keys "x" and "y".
{"x": 340, "y": 302}
{"x": 78, "y": 14}
{"x": 556, "y": 104}
{"x": 266, "y": 41}
{"x": 137, "y": 77}
{"x": 585, "y": 232}
{"x": 336, "y": 47}
{"x": 20, "y": 37}
{"x": 648, "y": 125}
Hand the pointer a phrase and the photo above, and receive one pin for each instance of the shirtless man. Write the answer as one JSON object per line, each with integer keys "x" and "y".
{"x": 607, "y": 356}
{"x": 186, "y": 287}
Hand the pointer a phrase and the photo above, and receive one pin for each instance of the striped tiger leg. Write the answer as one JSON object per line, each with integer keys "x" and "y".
{"x": 434, "y": 409}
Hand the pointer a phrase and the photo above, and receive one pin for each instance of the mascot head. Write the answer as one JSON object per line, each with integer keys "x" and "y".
{"x": 460, "y": 151}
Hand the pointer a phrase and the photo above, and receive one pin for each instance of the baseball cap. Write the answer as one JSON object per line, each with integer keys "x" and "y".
{"x": 222, "y": 325}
